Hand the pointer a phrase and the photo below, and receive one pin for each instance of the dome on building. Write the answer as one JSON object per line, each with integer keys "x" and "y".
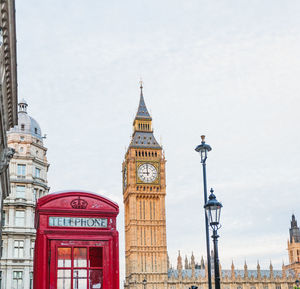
{"x": 26, "y": 124}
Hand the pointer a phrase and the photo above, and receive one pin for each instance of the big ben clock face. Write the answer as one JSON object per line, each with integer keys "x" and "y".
{"x": 147, "y": 173}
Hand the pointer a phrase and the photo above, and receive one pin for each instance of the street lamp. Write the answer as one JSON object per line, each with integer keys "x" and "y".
{"x": 203, "y": 149}
{"x": 145, "y": 283}
{"x": 213, "y": 212}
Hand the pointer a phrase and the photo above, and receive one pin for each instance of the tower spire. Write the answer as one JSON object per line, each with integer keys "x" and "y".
{"x": 142, "y": 112}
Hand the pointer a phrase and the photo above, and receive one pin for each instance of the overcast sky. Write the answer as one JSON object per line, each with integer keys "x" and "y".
{"x": 226, "y": 69}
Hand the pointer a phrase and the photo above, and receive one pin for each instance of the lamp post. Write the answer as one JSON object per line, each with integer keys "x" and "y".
{"x": 203, "y": 149}
{"x": 213, "y": 212}
{"x": 145, "y": 283}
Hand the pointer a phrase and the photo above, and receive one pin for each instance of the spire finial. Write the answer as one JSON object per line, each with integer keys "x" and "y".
{"x": 141, "y": 86}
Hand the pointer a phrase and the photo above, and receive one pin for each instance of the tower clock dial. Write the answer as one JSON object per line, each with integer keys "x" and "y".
{"x": 147, "y": 173}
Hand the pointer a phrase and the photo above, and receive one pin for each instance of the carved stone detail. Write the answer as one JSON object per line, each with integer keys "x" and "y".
{"x": 7, "y": 154}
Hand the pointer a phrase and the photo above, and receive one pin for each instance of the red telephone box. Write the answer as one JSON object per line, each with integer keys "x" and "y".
{"x": 77, "y": 242}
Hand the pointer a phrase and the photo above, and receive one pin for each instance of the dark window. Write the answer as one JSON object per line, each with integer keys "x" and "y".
{"x": 22, "y": 126}
{"x": 35, "y": 130}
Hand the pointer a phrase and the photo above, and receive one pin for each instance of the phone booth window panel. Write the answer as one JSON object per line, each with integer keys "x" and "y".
{"x": 95, "y": 256}
{"x": 64, "y": 257}
{"x": 63, "y": 279}
{"x": 80, "y": 279}
{"x": 80, "y": 257}
{"x": 96, "y": 278}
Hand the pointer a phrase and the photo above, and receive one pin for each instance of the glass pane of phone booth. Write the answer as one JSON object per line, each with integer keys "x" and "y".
{"x": 79, "y": 267}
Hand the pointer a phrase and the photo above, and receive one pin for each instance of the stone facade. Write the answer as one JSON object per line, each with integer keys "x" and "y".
{"x": 196, "y": 275}
{"x": 144, "y": 191}
{"x": 28, "y": 177}
{"x": 8, "y": 90}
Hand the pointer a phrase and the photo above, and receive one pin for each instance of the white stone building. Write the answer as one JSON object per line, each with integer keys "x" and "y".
{"x": 28, "y": 178}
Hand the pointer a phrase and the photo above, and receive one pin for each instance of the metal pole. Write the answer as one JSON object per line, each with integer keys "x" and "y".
{"x": 206, "y": 227}
{"x": 216, "y": 260}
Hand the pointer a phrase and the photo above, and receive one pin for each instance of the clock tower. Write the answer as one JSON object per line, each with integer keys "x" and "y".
{"x": 144, "y": 191}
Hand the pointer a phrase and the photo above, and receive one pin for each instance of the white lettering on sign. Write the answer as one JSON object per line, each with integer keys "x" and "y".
{"x": 77, "y": 222}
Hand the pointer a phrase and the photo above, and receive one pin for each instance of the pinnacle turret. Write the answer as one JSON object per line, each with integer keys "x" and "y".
{"x": 294, "y": 231}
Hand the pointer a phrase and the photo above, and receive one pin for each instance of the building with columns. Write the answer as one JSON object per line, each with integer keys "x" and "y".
{"x": 28, "y": 178}
{"x": 146, "y": 260}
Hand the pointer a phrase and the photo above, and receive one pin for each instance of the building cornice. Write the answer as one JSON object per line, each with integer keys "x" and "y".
{"x": 8, "y": 62}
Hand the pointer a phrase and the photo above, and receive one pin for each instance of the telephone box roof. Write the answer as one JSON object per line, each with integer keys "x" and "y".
{"x": 79, "y": 200}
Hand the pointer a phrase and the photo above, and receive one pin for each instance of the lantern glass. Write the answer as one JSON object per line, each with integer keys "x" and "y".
{"x": 213, "y": 215}
{"x": 213, "y": 211}
{"x": 203, "y": 154}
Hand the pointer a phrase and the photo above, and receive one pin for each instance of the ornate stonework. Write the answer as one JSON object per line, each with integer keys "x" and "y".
{"x": 144, "y": 191}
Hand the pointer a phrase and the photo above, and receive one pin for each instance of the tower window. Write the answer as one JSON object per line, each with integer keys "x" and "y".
{"x": 21, "y": 170}
{"x": 20, "y": 192}
{"x": 19, "y": 249}
{"x": 19, "y": 218}
{"x": 18, "y": 279}
{"x": 37, "y": 173}
{"x": 35, "y": 130}
{"x": 22, "y": 127}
